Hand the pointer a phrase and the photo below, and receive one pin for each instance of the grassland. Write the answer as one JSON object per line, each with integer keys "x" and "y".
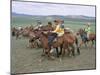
{"x": 26, "y": 60}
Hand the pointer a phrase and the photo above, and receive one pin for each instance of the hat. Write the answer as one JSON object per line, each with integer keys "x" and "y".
{"x": 58, "y": 20}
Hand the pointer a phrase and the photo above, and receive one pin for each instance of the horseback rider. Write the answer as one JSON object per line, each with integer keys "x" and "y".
{"x": 62, "y": 24}
{"x": 87, "y": 29}
{"x": 57, "y": 32}
{"x": 50, "y": 24}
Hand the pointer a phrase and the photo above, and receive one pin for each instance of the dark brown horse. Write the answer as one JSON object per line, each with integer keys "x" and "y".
{"x": 85, "y": 39}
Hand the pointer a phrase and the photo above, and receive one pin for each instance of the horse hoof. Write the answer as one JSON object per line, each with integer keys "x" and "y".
{"x": 57, "y": 56}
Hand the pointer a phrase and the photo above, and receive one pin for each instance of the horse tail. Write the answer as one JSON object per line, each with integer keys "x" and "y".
{"x": 76, "y": 42}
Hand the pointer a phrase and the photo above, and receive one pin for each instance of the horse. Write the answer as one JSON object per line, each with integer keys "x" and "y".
{"x": 64, "y": 42}
{"x": 69, "y": 40}
{"x": 13, "y": 31}
{"x": 24, "y": 32}
{"x": 43, "y": 37}
{"x": 16, "y": 32}
{"x": 85, "y": 39}
{"x": 29, "y": 32}
{"x": 33, "y": 41}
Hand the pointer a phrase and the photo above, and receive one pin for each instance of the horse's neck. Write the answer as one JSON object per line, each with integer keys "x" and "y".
{"x": 43, "y": 38}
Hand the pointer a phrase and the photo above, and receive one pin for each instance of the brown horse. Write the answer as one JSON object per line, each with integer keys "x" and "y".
{"x": 85, "y": 39}
{"x": 43, "y": 37}
{"x": 65, "y": 41}
{"x": 69, "y": 41}
{"x": 13, "y": 31}
{"x": 16, "y": 32}
{"x": 25, "y": 32}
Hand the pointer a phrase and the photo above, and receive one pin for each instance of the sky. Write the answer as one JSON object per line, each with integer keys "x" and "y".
{"x": 33, "y": 8}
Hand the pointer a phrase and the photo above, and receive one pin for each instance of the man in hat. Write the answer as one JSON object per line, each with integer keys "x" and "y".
{"x": 87, "y": 29}
{"x": 57, "y": 32}
{"x": 62, "y": 24}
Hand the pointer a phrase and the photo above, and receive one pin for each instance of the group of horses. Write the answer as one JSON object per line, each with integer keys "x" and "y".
{"x": 38, "y": 37}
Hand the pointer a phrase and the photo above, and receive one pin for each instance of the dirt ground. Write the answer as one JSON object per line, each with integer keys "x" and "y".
{"x": 26, "y": 60}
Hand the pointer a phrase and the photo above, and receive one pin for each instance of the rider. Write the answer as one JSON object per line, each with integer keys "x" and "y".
{"x": 50, "y": 27}
{"x": 87, "y": 29}
{"x": 57, "y": 32}
{"x": 49, "y": 24}
{"x": 62, "y": 24}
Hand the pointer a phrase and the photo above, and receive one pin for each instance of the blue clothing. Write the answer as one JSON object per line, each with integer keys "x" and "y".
{"x": 84, "y": 37}
{"x": 51, "y": 38}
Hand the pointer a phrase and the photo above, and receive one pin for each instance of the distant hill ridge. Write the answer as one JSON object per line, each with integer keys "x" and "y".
{"x": 56, "y": 16}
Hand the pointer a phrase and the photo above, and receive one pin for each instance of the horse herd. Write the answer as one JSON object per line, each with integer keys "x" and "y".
{"x": 38, "y": 37}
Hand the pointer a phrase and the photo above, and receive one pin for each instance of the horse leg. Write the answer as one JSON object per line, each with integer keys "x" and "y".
{"x": 43, "y": 54}
{"x": 68, "y": 49}
{"x": 32, "y": 45}
{"x": 73, "y": 50}
{"x": 76, "y": 42}
{"x": 57, "y": 51}
{"x": 81, "y": 44}
{"x": 63, "y": 50}
{"x": 78, "y": 50}
{"x": 38, "y": 46}
{"x": 92, "y": 43}
{"x": 60, "y": 49}
{"x": 17, "y": 35}
{"x": 49, "y": 55}
{"x": 85, "y": 43}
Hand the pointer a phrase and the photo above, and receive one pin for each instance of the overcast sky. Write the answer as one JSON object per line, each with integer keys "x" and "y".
{"x": 33, "y": 8}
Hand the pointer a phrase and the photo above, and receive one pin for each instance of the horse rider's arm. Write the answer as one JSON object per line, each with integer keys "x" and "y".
{"x": 57, "y": 29}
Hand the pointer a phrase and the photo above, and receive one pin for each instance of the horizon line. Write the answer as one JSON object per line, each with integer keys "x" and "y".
{"x": 52, "y": 15}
